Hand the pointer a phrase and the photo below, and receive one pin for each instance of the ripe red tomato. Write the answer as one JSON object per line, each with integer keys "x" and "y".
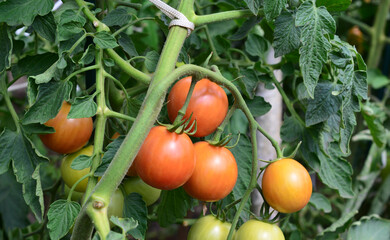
{"x": 286, "y": 185}
{"x": 71, "y": 134}
{"x": 135, "y": 184}
{"x": 215, "y": 173}
{"x": 208, "y": 104}
{"x": 209, "y": 228}
{"x": 355, "y": 37}
{"x": 70, "y": 175}
{"x": 166, "y": 159}
{"x": 257, "y": 230}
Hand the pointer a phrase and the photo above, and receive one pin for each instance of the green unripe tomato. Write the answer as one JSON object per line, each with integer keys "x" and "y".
{"x": 135, "y": 185}
{"x": 70, "y": 175}
{"x": 209, "y": 228}
{"x": 115, "y": 208}
{"x": 257, "y": 230}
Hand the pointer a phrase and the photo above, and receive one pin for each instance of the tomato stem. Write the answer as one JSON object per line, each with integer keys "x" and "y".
{"x": 110, "y": 113}
{"x": 8, "y": 102}
{"x": 221, "y": 127}
{"x": 69, "y": 198}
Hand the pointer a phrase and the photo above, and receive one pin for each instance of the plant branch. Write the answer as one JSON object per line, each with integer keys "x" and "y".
{"x": 222, "y": 16}
{"x": 8, "y": 102}
{"x": 130, "y": 24}
{"x": 128, "y": 68}
{"x": 110, "y": 113}
{"x": 81, "y": 71}
{"x": 287, "y": 100}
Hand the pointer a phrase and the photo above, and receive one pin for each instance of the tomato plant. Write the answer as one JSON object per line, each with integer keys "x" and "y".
{"x": 286, "y": 185}
{"x": 258, "y": 230}
{"x": 208, "y": 104}
{"x": 135, "y": 185}
{"x": 70, "y": 175}
{"x": 166, "y": 159}
{"x": 70, "y": 134}
{"x": 209, "y": 228}
{"x": 215, "y": 173}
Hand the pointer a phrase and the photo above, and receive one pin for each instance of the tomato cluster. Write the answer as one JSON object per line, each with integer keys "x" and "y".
{"x": 168, "y": 160}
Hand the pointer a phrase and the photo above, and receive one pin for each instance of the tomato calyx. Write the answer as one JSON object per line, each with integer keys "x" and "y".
{"x": 183, "y": 126}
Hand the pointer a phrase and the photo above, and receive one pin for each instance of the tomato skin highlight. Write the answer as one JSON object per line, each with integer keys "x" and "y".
{"x": 208, "y": 104}
{"x": 166, "y": 159}
{"x": 286, "y": 185}
{"x": 258, "y": 230}
{"x": 215, "y": 173}
{"x": 135, "y": 185}
{"x": 71, "y": 134}
{"x": 70, "y": 175}
{"x": 209, "y": 228}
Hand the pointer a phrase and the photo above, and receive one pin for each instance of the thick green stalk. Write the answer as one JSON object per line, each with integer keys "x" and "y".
{"x": 80, "y": 228}
{"x": 378, "y": 36}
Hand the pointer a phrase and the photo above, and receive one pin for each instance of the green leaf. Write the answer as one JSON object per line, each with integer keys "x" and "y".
{"x": 243, "y": 155}
{"x": 338, "y": 226}
{"x": 273, "y": 8}
{"x": 151, "y": 60}
{"x": 62, "y": 215}
{"x": 127, "y": 44}
{"x": 334, "y": 5}
{"x": 291, "y": 129}
{"x": 174, "y": 205}
{"x": 335, "y": 171}
{"x": 323, "y": 105}
{"x": 48, "y": 75}
{"x": 15, "y": 12}
{"x": 13, "y": 209}
{"x": 83, "y": 107}
{"x": 5, "y": 47}
{"x": 376, "y": 79}
{"x": 112, "y": 148}
{"x": 314, "y": 23}
{"x": 49, "y": 101}
{"x": 104, "y": 40}
{"x": 46, "y": 26}
{"x": 36, "y": 128}
{"x": 81, "y": 162}
{"x": 88, "y": 56}
{"x": 117, "y": 17}
{"x": 243, "y": 31}
{"x": 16, "y": 147}
{"x": 126, "y": 224}
{"x": 286, "y": 35}
{"x": 114, "y": 236}
{"x": 256, "y": 46}
{"x": 70, "y": 24}
{"x": 371, "y": 114}
{"x": 370, "y": 228}
{"x": 258, "y": 106}
{"x": 109, "y": 62}
{"x": 253, "y": 5}
{"x": 136, "y": 208}
{"x": 320, "y": 202}
{"x": 34, "y": 65}
{"x": 248, "y": 82}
